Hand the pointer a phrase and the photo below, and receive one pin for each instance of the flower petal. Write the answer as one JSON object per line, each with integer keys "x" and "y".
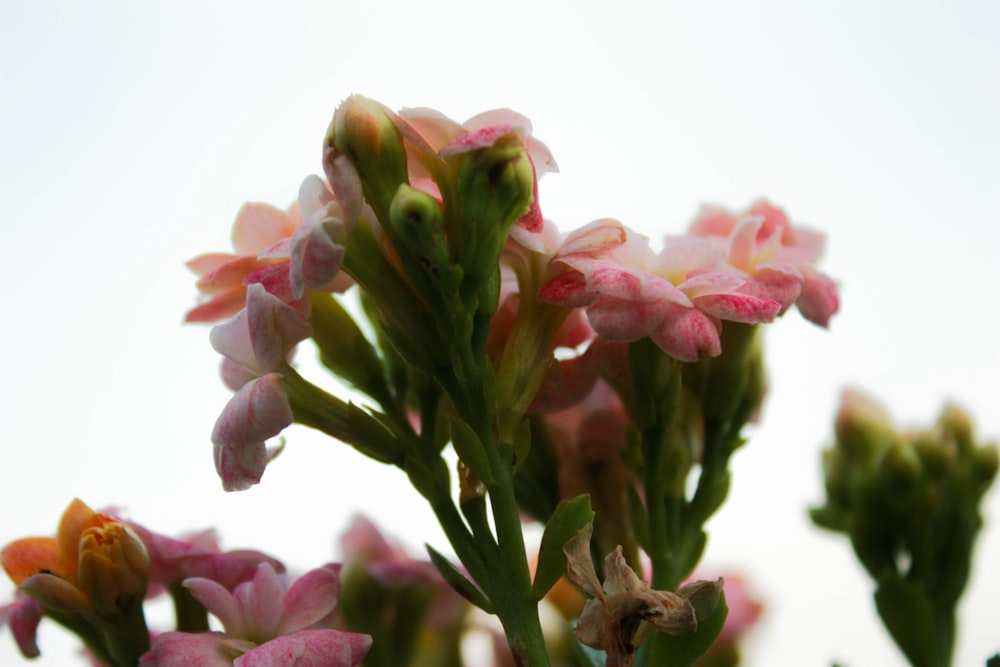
{"x": 182, "y": 649}
{"x": 219, "y": 602}
{"x": 309, "y": 648}
{"x": 260, "y": 410}
{"x": 311, "y": 597}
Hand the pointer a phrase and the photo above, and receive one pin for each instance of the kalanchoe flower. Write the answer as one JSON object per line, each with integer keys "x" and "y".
{"x": 286, "y": 251}
{"x": 267, "y": 621}
{"x": 256, "y": 343}
{"x": 222, "y": 276}
{"x": 95, "y": 563}
{"x": 199, "y": 555}
{"x": 777, "y": 257}
{"x": 677, "y": 297}
{"x": 625, "y": 611}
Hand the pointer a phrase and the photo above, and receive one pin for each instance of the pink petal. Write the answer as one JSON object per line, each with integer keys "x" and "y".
{"x": 624, "y": 321}
{"x": 309, "y": 648}
{"x": 181, "y": 649}
{"x": 219, "y": 602}
{"x": 688, "y": 334}
{"x": 594, "y": 238}
{"x": 173, "y": 559}
{"x": 712, "y": 220}
{"x": 217, "y": 308}
{"x": 567, "y": 289}
{"x": 315, "y": 260}
{"x": 205, "y": 264}
{"x": 235, "y": 375}
{"x": 312, "y": 597}
{"x": 229, "y": 275}
{"x": 23, "y": 616}
{"x": 736, "y": 307}
{"x": 471, "y": 141}
{"x": 261, "y": 601}
{"x": 819, "y": 299}
{"x": 232, "y": 339}
{"x": 274, "y": 328}
{"x": 259, "y": 225}
{"x": 259, "y": 410}
{"x": 346, "y": 183}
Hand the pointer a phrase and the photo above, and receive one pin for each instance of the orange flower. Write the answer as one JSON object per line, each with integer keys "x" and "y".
{"x": 94, "y": 563}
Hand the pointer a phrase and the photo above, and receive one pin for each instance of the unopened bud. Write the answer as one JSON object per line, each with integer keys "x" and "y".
{"x": 113, "y": 567}
{"x": 862, "y": 426}
{"x": 363, "y": 133}
{"x": 55, "y": 593}
{"x": 900, "y": 471}
{"x": 958, "y": 425}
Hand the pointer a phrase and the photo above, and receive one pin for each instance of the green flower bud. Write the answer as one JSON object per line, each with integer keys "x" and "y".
{"x": 900, "y": 472}
{"x": 363, "y": 132}
{"x": 862, "y": 427}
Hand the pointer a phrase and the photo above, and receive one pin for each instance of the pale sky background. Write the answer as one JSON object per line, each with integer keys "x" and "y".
{"x": 131, "y": 133}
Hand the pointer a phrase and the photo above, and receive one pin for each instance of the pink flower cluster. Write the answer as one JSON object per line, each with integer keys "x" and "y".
{"x": 282, "y": 255}
{"x": 748, "y": 267}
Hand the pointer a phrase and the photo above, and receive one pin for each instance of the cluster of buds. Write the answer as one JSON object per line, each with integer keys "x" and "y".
{"x": 909, "y": 502}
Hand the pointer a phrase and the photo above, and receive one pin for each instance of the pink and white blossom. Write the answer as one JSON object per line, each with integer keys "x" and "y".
{"x": 678, "y": 297}
{"x": 197, "y": 555}
{"x": 289, "y": 252}
{"x": 777, "y": 257}
{"x": 269, "y": 620}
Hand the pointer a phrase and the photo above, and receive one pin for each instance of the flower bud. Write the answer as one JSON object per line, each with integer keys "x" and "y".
{"x": 900, "y": 472}
{"x": 363, "y": 133}
{"x": 862, "y": 426}
{"x": 113, "y": 567}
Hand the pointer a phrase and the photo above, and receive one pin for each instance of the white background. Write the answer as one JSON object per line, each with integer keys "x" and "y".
{"x": 130, "y": 134}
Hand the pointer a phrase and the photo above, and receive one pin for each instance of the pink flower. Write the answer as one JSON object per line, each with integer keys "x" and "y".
{"x": 23, "y": 616}
{"x": 677, "y": 297}
{"x": 286, "y": 251}
{"x": 222, "y": 275}
{"x": 256, "y": 343}
{"x": 777, "y": 257}
{"x": 439, "y": 131}
{"x": 266, "y": 621}
{"x": 198, "y": 555}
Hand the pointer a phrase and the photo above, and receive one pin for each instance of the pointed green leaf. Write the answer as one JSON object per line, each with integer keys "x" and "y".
{"x": 470, "y": 450}
{"x": 570, "y": 516}
{"x": 909, "y": 618}
{"x": 459, "y": 581}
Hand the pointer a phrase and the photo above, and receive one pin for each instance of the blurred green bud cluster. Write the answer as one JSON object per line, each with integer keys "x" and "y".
{"x": 909, "y": 501}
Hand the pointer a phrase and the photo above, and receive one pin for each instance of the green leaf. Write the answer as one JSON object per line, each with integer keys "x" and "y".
{"x": 570, "y": 516}
{"x": 459, "y": 581}
{"x": 909, "y": 618}
{"x": 686, "y": 650}
{"x": 470, "y": 450}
